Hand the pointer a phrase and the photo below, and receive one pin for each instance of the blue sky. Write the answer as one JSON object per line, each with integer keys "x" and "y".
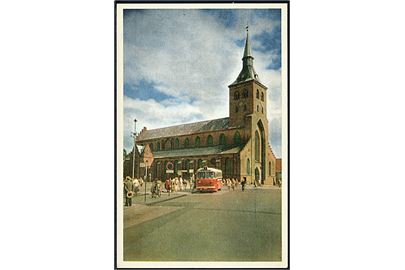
{"x": 178, "y": 65}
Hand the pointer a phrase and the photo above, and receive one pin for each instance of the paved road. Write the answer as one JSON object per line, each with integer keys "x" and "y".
{"x": 223, "y": 226}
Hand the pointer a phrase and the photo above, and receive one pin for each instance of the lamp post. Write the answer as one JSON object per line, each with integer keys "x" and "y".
{"x": 133, "y": 152}
{"x": 146, "y": 176}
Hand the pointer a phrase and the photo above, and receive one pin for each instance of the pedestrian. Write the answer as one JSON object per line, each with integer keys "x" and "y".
{"x": 237, "y": 182}
{"x": 175, "y": 182}
{"x": 180, "y": 183}
{"x": 129, "y": 189}
{"x": 168, "y": 186}
{"x": 185, "y": 184}
{"x": 228, "y": 183}
{"x": 233, "y": 183}
{"x": 136, "y": 186}
{"x": 243, "y": 183}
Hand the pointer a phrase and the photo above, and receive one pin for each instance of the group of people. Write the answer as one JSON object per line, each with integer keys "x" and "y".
{"x": 233, "y": 183}
{"x": 178, "y": 184}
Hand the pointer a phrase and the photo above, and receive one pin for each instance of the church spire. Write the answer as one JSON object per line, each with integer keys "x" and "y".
{"x": 248, "y": 72}
{"x": 247, "y": 52}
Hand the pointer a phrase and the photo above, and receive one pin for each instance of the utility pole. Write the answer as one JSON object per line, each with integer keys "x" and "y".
{"x": 133, "y": 151}
{"x": 146, "y": 176}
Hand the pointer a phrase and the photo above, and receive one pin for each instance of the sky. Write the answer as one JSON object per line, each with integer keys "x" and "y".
{"x": 178, "y": 65}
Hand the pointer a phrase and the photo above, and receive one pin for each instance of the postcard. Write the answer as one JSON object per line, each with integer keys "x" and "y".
{"x": 202, "y": 135}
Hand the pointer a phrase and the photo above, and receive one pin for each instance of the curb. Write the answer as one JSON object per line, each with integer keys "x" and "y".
{"x": 168, "y": 199}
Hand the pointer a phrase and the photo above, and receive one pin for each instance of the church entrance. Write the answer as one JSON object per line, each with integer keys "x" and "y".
{"x": 257, "y": 175}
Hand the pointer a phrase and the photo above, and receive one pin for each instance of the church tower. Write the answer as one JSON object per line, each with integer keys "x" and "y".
{"x": 247, "y": 95}
{"x": 248, "y": 109}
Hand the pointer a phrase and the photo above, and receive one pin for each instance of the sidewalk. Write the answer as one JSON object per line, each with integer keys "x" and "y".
{"x": 140, "y": 198}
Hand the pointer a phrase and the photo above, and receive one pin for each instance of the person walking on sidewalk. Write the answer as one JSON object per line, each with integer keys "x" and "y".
{"x": 168, "y": 186}
{"x": 243, "y": 183}
{"x": 129, "y": 189}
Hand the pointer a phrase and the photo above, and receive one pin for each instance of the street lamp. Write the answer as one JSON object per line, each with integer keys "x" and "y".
{"x": 133, "y": 152}
{"x": 146, "y": 176}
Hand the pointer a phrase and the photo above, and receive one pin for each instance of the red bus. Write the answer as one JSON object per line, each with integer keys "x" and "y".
{"x": 209, "y": 179}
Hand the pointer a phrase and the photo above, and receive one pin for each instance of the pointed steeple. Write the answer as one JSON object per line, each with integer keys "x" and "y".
{"x": 248, "y": 51}
{"x": 248, "y": 72}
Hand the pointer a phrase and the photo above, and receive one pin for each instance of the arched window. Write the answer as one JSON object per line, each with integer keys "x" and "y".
{"x": 236, "y": 138}
{"x": 245, "y": 93}
{"x": 257, "y": 107}
{"x": 236, "y": 108}
{"x": 210, "y": 140}
{"x": 171, "y": 143}
{"x": 163, "y": 145}
{"x": 244, "y": 108}
{"x": 228, "y": 167}
{"x": 262, "y": 110}
{"x": 151, "y": 146}
{"x": 187, "y": 165}
{"x": 200, "y": 163}
{"x": 176, "y": 167}
{"x": 186, "y": 143}
{"x": 257, "y": 93}
{"x": 262, "y": 98}
{"x": 248, "y": 167}
{"x": 236, "y": 95}
{"x": 270, "y": 168}
{"x": 177, "y": 143}
{"x": 257, "y": 146}
{"x": 158, "y": 146}
{"x": 222, "y": 139}
{"x": 197, "y": 142}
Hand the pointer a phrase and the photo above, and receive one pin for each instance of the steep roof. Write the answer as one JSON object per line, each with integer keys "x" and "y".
{"x": 184, "y": 129}
{"x": 203, "y": 151}
{"x": 248, "y": 72}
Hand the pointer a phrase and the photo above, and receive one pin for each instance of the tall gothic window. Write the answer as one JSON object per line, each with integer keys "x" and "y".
{"x": 236, "y": 138}
{"x": 262, "y": 98}
{"x": 257, "y": 146}
{"x": 228, "y": 167}
{"x": 245, "y": 93}
{"x": 262, "y": 110}
{"x": 200, "y": 163}
{"x": 158, "y": 146}
{"x": 186, "y": 143}
{"x": 236, "y": 95}
{"x": 270, "y": 168}
{"x": 258, "y": 108}
{"x": 209, "y": 140}
{"x": 222, "y": 140}
{"x": 257, "y": 93}
{"x": 197, "y": 142}
{"x": 177, "y": 143}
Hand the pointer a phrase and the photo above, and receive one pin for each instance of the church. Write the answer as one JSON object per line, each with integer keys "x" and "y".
{"x": 238, "y": 144}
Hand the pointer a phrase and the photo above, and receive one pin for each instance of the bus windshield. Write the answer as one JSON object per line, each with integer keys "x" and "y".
{"x": 205, "y": 174}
